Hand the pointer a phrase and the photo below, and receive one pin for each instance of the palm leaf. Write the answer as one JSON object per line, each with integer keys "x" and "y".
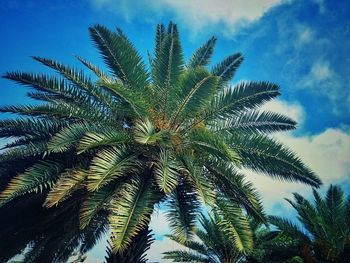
{"x": 131, "y": 211}
{"x": 65, "y": 186}
{"x": 202, "y": 56}
{"x": 108, "y": 165}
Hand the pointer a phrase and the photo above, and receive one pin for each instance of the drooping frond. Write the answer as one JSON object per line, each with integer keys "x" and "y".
{"x": 65, "y": 186}
{"x": 41, "y": 175}
{"x": 200, "y": 182}
{"x": 202, "y": 56}
{"x": 93, "y": 203}
{"x": 109, "y": 164}
{"x": 167, "y": 171}
{"x": 235, "y": 225}
{"x": 232, "y": 186}
{"x": 183, "y": 208}
{"x": 263, "y": 154}
{"x": 130, "y": 212}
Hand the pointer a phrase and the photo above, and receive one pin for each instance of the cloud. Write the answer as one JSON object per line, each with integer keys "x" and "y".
{"x": 197, "y": 15}
{"x": 292, "y": 109}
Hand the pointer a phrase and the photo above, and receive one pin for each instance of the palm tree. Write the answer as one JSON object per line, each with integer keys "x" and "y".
{"x": 212, "y": 244}
{"x": 325, "y": 232}
{"x": 122, "y": 142}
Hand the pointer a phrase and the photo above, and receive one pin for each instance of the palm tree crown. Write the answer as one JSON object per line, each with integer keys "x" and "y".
{"x": 325, "y": 232}
{"x": 123, "y": 141}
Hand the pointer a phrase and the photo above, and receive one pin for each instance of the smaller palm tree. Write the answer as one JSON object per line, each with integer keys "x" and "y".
{"x": 215, "y": 243}
{"x": 325, "y": 232}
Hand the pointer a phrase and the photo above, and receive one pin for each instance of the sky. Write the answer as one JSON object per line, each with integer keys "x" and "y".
{"x": 302, "y": 45}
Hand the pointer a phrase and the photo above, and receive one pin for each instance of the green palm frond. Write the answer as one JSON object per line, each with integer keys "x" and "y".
{"x": 41, "y": 175}
{"x": 95, "y": 202}
{"x": 63, "y": 111}
{"x": 206, "y": 141}
{"x": 121, "y": 57}
{"x": 201, "y": 183}
{"x": 130, "y": 211}
{"x": 145, "y": 133}
{"x": 24, "y": 151}
{"x": 255, "y": 121}
{"x": 168, "y": 66}
{"x": 80, "y": 81}
{"x": 70, "y": 136}
{"x": 133, "y": 98}
{"x": 167, "y": 171}
{"x": 235, "y": 225}
{"x": 103, "y": 137}
{"x": 202, "y": 56}
{"x": 99, "y": 73}
{"x": 30, "y": 127}
{"x": 263, "y": 154}
{"x": 288, "y": 227}
{"x": 183, "y": 208}
{"x": 232, "y": 186}
{"x": 185, "y": 256}
{"x": 65, "y": 186}
{"x": 198, "y": 87}
{"x": 227, "y": 68}
{"x": 108, "y": 165}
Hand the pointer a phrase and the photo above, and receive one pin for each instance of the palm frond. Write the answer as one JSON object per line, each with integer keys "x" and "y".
{"x": 167, "y": 68}
{"x": 182, "y": 210}
{"x": 121, "y": 57}
{"x": 255, "y": 121}
{"x": 105, "y": 136}
{"x": 94, "y": 202}
{"x": 70, "y": 136}
{"x": 198, "y": 87}
{"x": 108, "y": 165}
{"x": 263, "y": 154}
{"x": 227, "y": 68}
{"x": 145, "y": 132}
{"x": 167, "y": 171}
{"x": 130, "y": 212}
{"x": 65, "y": 186}
{"x": 38, "y": 177}
{"x": 202, "y": 56}
{"x": 235, "y": 225}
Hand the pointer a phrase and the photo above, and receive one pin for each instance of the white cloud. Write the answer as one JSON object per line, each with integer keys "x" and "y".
{"x": 292, "y": 109}
{"x": 197, "y": 15}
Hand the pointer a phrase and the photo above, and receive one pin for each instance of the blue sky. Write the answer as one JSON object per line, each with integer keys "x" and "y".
{"x": 303, "y": 45}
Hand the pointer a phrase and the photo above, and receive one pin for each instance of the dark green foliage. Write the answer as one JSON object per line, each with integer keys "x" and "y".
{"x": 324, "y": 234}
{"x": 136, "y": 251}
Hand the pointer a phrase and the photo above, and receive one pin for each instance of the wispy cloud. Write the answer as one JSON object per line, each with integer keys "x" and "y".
{"x": 198, "y": 15}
